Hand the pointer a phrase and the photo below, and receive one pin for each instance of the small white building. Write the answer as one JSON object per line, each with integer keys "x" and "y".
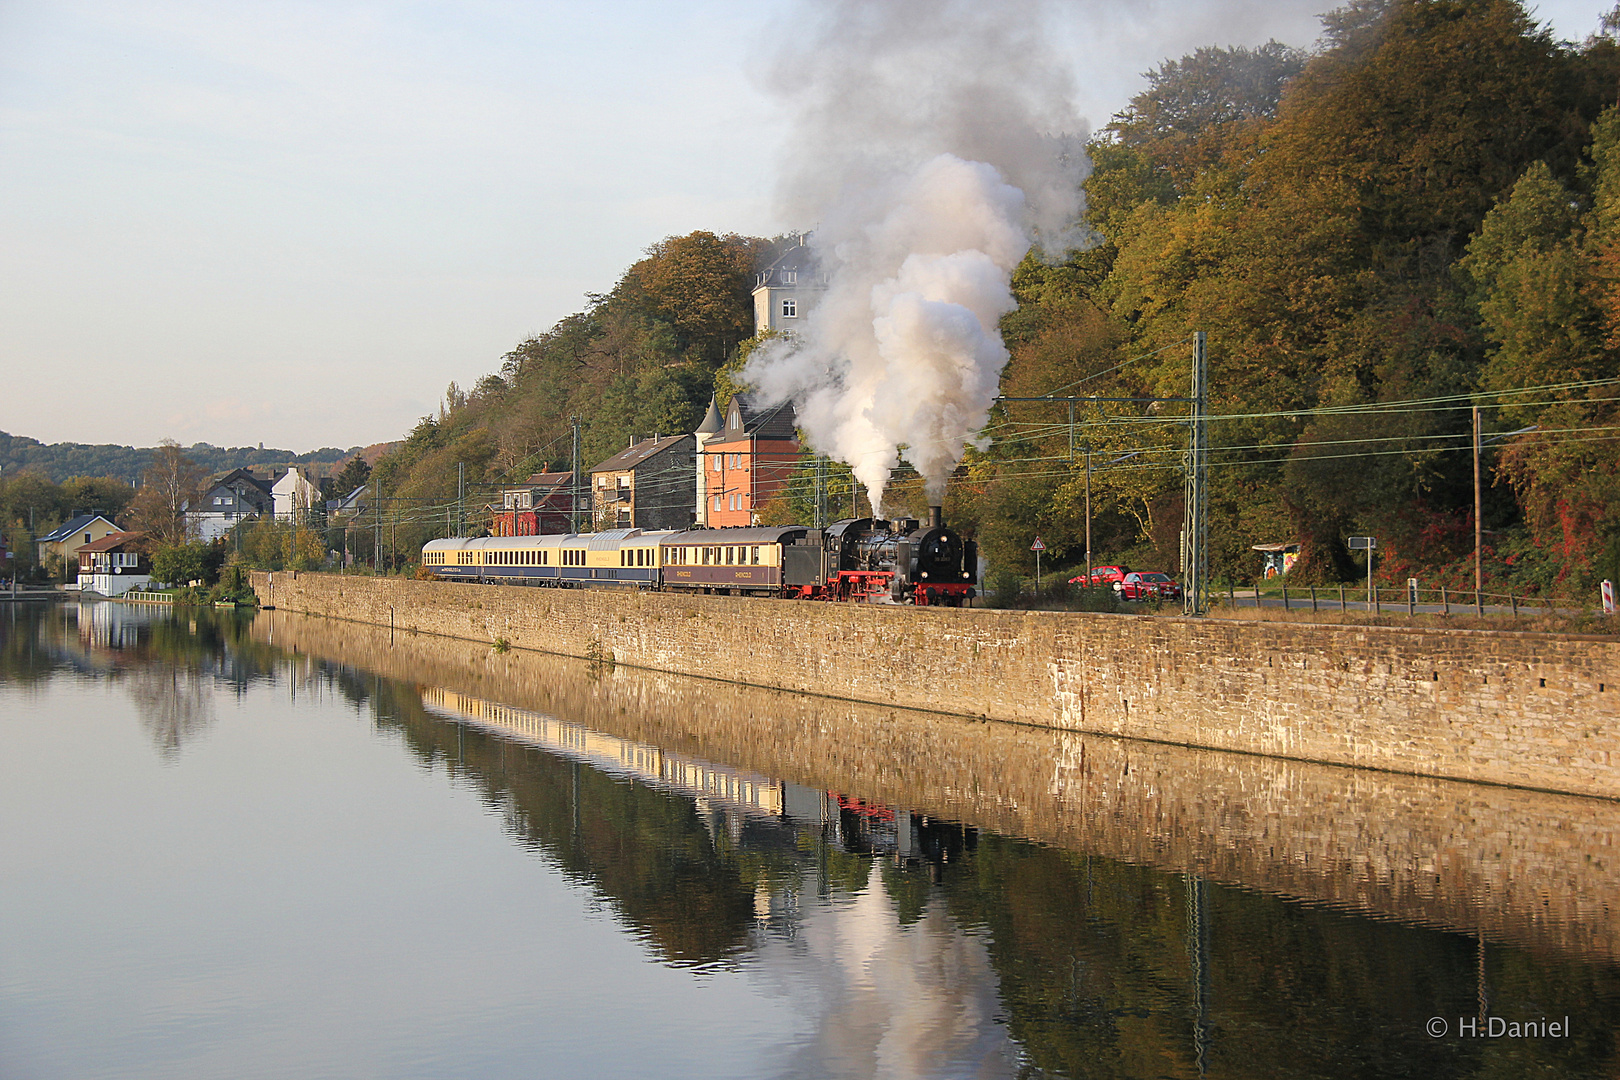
{"x": 293, "y": 494}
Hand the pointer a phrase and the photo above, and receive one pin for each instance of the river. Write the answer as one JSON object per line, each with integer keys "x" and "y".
{"x": 272, "y": 846}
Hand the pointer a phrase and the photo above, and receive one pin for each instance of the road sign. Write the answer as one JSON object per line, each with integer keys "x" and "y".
{"x": 1364, "y": 543}
{"x": 1037, "y": 545}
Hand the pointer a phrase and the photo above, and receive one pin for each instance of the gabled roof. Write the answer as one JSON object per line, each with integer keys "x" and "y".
{"x": 111, "y": 542}
{"x": 746, "y": 417}
{"x": 348, "y": 502}
{"x": 225, "y": 479}
{"x": 800, "y": 259}
{"x": 547, "y": 480}
{"x": 68, "y": 528}
{"x": 646, "y": 448}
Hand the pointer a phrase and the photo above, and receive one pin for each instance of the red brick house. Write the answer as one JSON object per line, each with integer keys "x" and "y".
{"x": 540, "y": 506}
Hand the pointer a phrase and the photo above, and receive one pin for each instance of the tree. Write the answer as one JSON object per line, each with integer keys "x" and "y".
{"x": 172, "y": 483}
{"x": 103, "y": 495}
{"x": 179, "y": 564}
{"x": 355, "y": 473}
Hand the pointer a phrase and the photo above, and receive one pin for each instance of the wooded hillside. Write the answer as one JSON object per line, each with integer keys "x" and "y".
{"x": 1420, "y": 217}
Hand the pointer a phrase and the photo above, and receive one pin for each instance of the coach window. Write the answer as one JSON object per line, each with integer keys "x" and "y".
{"x": 755, "y": 553}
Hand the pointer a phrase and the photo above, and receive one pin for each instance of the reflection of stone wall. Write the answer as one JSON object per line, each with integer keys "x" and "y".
{"x": 1525, "y": 866}
{"x": 1523, "y": 709}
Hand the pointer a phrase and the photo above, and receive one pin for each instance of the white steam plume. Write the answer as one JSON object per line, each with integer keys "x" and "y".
{"x": 934, "y": 141}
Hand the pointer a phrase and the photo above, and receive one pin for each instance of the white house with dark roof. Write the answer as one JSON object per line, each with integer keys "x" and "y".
{"x": 787, "y": 289}
{"x": 232, "y": 497}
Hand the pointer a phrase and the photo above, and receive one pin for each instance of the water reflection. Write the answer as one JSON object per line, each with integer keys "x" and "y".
{"x": 930, "y": 897}
{"x": 173, "y": 668}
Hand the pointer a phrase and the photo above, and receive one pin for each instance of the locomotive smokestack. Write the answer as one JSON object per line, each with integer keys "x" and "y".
{"x": 936, "y": 516}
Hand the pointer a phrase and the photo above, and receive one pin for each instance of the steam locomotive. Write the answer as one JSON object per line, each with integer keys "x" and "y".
{"x": 858, "y": 559}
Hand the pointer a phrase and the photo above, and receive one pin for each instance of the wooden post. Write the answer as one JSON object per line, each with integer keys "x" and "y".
{"x": 1342, "y": 608}
{"x": 1285, "y": 597}
{"x": 1313, "y": 597}
{"x": 1445, "y": 601}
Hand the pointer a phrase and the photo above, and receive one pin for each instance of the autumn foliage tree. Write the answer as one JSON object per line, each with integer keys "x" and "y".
{"x": 169, "y": 486}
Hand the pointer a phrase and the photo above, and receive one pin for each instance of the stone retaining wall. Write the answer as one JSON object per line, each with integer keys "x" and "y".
{"x": 1528, "y": 710}
{"x": 1530, "y": 867}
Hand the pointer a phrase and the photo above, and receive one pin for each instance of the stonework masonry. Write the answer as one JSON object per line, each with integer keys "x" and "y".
{"x": 1528, "y": 710}
{"x": 1534, "y": 868}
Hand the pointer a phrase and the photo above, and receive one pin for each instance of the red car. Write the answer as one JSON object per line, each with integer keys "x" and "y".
{"x": 1147, "y": 585}
{"x": 1102, "y": 575}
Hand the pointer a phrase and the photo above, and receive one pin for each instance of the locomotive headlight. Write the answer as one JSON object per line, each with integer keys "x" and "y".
{"x": 925, "y": 573}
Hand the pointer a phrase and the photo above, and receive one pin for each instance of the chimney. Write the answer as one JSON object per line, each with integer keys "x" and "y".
{"x": 936, "y": 516}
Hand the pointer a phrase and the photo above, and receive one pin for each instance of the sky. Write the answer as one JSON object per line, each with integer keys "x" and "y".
{"x": 295, "y": 223}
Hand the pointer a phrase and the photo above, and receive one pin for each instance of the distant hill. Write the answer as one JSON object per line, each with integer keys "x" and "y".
{"x": 58, "y": 461}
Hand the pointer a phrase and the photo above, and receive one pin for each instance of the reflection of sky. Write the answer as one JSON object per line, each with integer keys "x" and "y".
{"x": 291, "y": 897}
{"x": 887, "y": 1000}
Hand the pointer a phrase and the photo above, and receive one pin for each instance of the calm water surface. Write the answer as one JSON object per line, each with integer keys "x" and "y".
{"x": 224, "y": 856}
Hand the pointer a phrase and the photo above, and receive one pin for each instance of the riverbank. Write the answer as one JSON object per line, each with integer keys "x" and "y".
{"x": 1520, "y": 709}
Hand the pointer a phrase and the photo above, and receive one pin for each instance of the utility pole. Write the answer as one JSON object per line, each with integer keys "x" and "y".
{"x": 821, "y": 491}
{"x": 1479, "y": 532}
{"x": 1195, "y": 586}
{"x": 1088, "y": 512}
{"x": 376, "y": 527}
{"x": 574, "y": 502}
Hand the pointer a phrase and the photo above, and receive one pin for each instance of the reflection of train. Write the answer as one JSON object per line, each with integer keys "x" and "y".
{"x": 859, "y": 826}
{"x": 902, "y": 561}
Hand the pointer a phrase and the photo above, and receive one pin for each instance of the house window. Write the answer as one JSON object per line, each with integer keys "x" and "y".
{"x": 717, "y": 463}
{"x": 790, "y": 277}
{"x": 790, "y": 307}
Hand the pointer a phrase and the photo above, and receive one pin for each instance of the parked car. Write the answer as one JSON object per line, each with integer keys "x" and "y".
{"x": 1102, "y": 575}
{"x": 1147, "y": 585}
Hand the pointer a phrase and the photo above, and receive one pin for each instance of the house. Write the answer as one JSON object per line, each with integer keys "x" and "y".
{"x": 787, "y": 289}
{"x": 115, "y": 564}
{"x": 294, "y": 493}
{"x": 648, "y": 486}
{"x": 350, "y": 506}
{"x": 231, "y": 497}
{"x": 541, "y": 505}
{"x": 65, "y": 540}
{"x": 748, "y": 461}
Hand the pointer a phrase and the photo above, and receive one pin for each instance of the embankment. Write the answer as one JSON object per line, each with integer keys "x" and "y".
{"x": 1528, "y": 710}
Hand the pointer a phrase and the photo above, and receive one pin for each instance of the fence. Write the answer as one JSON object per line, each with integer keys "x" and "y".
{"x": 1411, "y": 600}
